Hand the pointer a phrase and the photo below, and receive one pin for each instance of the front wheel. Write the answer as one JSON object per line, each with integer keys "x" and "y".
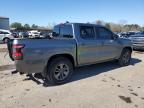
{"x": 59, "y": 70}
{"x": 125, "y": 57}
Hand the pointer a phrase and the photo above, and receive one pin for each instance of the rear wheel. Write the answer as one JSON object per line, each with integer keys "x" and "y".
{"x": 6, "y": 40}
{"x": 125, "y": 57}
{"x": 59, "y": 71}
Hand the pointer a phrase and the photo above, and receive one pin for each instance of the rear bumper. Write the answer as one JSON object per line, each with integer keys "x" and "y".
{"x": 28, "y": 68}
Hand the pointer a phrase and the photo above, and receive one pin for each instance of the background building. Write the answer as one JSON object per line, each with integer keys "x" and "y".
{"x": 4, "y": 23}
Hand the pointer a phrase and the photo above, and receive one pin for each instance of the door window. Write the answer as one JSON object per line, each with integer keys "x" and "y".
{"x": 103, "y": 33}
{"x": 87, "y": 32}
{"x": 63, "y": 31}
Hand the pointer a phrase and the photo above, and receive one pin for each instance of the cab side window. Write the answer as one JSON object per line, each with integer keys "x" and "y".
{"x": 66, "y": 31}
{"x": 87, "y": 32}
{"x": 104, "y": 33}
{"x": 63, "y": 31}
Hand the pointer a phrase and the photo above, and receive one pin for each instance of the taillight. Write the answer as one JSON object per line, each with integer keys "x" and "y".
{"x": 17, "y": 51}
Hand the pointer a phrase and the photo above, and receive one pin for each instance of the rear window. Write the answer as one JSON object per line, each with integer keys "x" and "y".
{"x": 63, "y": 31}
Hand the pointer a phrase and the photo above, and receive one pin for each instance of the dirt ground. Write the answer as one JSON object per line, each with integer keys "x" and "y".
{"x": 103, "y": 85}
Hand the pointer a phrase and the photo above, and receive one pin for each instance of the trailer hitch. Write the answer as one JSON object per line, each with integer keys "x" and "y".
{"x": 14, "y": 72}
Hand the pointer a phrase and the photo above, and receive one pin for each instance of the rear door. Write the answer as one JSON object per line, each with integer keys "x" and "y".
{"x": 89, "y": 47}
{"x": 111, "y": 47}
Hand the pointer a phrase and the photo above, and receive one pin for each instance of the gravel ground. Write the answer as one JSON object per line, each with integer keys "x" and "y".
{"x": 5, "y": 62}
{"x": 103, "y": 85}
{"x": 3, "y": 47}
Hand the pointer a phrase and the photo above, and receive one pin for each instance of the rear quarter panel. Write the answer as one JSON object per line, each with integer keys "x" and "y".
{"x": 37, "y": 52}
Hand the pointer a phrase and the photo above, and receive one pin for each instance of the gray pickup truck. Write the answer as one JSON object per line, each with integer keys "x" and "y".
{"x": 71, "y": 45}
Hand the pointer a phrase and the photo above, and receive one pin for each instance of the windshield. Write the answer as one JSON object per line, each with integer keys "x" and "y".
{"x": 35, "y": 33}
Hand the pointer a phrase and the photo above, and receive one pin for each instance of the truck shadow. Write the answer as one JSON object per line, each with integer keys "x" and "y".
{"x": 92, "y": 70}
{"x": 84, "y": 72}
{"x": 140, "y": 50}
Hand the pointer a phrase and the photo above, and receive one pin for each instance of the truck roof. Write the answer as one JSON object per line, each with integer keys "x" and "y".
{"x": 86, "y": 24}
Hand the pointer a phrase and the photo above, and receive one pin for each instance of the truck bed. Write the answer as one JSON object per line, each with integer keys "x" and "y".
{"x": 38, "y": 51}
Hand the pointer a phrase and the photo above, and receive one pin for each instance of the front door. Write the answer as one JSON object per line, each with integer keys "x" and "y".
{"x": 111, "y": 47}
{"x": 89, "y": 48}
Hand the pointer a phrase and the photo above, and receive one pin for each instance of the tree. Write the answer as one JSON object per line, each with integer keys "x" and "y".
{"x": 122, "y": 22}
{"x": 16, "y": 25}
{"x": 131, "y": 27}
{"x": 107, "y": 25}
{"x": 34, "y": 26}
{"x": 99, "y": 22}
{"x": 142, "y": 29}
{"x": 26, "y": 26}
{"x": 115, "y": 27}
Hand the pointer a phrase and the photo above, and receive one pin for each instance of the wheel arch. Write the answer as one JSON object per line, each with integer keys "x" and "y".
{"x": 128, "y": 47}
{"x": 68, "y": 56}
{"x": 5, "y": 38}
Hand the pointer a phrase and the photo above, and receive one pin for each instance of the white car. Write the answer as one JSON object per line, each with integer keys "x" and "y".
{"x": 34, "y": 33}
{"x": 5, "y": 35}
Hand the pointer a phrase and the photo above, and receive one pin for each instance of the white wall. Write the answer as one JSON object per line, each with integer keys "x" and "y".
{"x": 4, "y": 23}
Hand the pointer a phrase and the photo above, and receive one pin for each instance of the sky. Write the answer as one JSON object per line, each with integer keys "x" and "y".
{"x": 47, "y": 12}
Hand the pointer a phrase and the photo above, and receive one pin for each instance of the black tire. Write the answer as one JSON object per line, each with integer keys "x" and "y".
{"x": 6, "y": 40}
{"x": 125, "y": 57}
{"x": 53, "y": 73}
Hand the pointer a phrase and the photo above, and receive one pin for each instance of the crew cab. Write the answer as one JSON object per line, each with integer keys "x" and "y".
{"x": 71, "y": 45}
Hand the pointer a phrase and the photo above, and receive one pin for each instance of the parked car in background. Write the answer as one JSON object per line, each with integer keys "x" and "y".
{"x": 15, "y": 34}
{"x": 34, "y": 33}
{"x": 127, "y": 34}
{"x": 5, "y": 35}
{"x": 23, "y": 35}
{"x": 131, "y": 33}
{"x": 123, "y": 35}
{"x": 138, "y": 41}
{"x": 45, "y": 34}
{"x": 72, "y": 45}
